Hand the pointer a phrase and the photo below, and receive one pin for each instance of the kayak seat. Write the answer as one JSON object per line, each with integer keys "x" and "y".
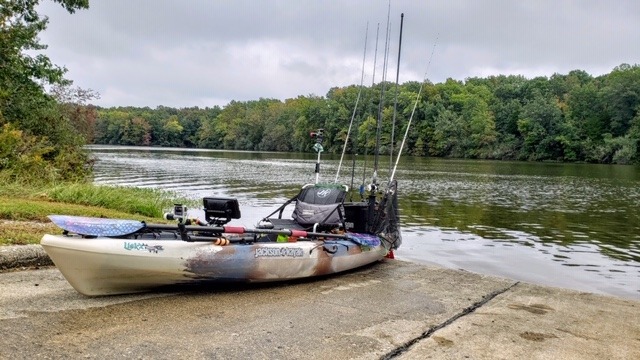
{"x": 316, "y": 205}
{"x": 286, "y": 224}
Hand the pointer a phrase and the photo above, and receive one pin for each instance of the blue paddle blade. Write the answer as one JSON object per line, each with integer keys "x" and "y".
{"x": 96, "y": 226}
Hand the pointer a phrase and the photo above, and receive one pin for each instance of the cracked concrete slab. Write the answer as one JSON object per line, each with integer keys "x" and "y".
{"x": 536, "y": 322}
{"x": 464, "y": 312}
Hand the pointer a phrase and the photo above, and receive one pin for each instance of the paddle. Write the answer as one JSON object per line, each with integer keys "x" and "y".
{"x": 92, "y": 226}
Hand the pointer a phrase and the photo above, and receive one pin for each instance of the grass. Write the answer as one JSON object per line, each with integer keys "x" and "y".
{"x": 24, "y": 209}
{"x": 23, "y": 233}
{"x": 146, "y": 202}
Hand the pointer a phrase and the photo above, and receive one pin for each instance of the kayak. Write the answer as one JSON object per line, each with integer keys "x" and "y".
{"x": 108, "y": 266}
{"x": 325, "y": 236}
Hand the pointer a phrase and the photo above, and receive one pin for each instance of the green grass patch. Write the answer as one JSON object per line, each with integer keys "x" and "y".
{"x": 24, "y": 208}
{"x": 146, "y": 202}
{"x": 130, "y": 200}
{"x": 38, "y": 210}
{"x": 24, "y": 221}
{"x": 25, "y": 232}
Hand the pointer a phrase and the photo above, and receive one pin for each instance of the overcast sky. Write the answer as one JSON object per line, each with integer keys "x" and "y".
{"x": 209, "y": 52}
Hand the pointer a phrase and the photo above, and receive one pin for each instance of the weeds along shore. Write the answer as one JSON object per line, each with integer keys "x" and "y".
{"x": 24, "y": 207}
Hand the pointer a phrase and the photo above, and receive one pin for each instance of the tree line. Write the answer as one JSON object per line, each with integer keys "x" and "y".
{"x": 571, "y": 117}
{"x": 45, "y": 121}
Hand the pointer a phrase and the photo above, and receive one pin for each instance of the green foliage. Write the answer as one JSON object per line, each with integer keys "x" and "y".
{"x": 73, "y": 106}
{"x": 22, "y": 98}
{"x": 448, "y": 134}
{"x": 541, "y": 118}
{"x": 31, "y": 159}
{"x": 40, "y": 139}
{"x": 618, "y": 150}
{"x": 561, "y": 118}
{"x": 621, "y": 96}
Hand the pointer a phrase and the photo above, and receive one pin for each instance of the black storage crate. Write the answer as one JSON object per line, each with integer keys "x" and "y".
{"x": 356, "y": 216}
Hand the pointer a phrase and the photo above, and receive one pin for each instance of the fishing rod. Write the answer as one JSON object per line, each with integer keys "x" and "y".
{"x": 353, "y": 174}
{"x": 373, "y": 187}
{"x": 217, "y": 230}
{"x": 415, "y": 105}
{"x": 366, "y": 132}
{"x": 388, "y": 204}
{"x": 374, "y": 179}
{"x": 395, "y": 101}
{"x": 355, "y": 108}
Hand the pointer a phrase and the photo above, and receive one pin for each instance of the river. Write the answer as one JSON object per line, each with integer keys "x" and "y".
{"x": 567, "y": 225}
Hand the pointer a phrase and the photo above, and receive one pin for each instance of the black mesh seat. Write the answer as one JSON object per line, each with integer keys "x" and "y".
{"x": 317, "y": 205}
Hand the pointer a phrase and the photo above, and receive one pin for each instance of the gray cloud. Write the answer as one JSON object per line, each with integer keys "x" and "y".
{"x": 205, "y": 53}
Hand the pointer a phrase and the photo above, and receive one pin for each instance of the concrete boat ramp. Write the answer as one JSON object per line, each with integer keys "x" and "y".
{"x": 391, "y": 310}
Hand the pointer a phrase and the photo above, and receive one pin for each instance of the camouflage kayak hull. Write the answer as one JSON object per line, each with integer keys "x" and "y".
{"x": 108, "y": 266}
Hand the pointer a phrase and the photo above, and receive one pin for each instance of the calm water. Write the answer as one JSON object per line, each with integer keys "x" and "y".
{"x": 566, "y": 225}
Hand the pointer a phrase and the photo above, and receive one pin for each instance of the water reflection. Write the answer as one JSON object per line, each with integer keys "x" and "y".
{"x": 567, "y": 225}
